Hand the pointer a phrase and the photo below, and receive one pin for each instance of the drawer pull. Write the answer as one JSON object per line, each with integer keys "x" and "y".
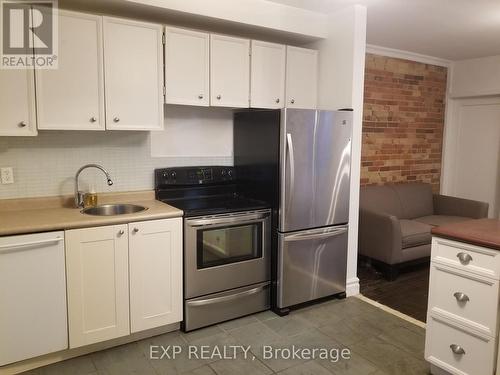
{"x": 464, "y": 258}
{"x": 457, "y": 349}
{"x": 461, "y": 297}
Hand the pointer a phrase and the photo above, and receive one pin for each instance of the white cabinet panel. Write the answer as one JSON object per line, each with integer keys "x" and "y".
{"x": 72, "y": 96}
{"x": 32, "y": 296}
{"x": 133, "y": 65}
{"x": 267, "y": 75}
{"x": 155, "y": 249}
{"x": 301, "y": 77}
{"x": 17, "y": 103}
{"x": 229, "y": 71}
{"x": 97, "y": 279}
{"x": 187, "y": 67}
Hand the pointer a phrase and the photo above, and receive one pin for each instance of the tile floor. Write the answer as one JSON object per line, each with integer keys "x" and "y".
{"x": 380, "y": 343}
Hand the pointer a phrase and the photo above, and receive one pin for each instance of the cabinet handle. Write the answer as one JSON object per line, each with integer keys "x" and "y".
{"x": 457, "y": 349}
{"x": 464, "y": 258}
{"x": 135, "y": 230}
{"x": 121, "y": 232}
{"x": 461, "y": 297}
{"x": 116, "y": 119}
{"x": 22, "y": 124}
{"x": 292, "y": 101}
{"x": 278, "y": 100}
{"x": 219, "y": 97}
{"x": 201, "y": 96}
{"x": 93, "y": 119}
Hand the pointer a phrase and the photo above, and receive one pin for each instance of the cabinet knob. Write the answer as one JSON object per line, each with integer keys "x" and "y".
{"x": 93, "y": 119}
{"x": 121, "y": 232}
{"x": 461, "y": 297}
{"x": 200, "y": 96}
{"x": 457, "y": 349}
{"x": 22, "y": 124}
{"x": 219, "y": 97}
{"x": 116, "y": 119}
{"x": 292, "y": 101}
{"x": 135, "y": 230}
{"x": 278, "y": 100}
{"x": 464, "y": 258}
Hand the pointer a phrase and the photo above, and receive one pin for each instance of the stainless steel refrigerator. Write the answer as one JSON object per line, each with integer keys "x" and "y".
{"x": 299, "y": 160}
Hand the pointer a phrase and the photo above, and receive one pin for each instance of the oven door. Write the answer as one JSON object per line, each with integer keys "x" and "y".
{"x": 223, "y": 252}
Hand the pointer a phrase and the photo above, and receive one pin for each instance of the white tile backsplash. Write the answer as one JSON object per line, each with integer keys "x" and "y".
{"x": 45, "y": 165}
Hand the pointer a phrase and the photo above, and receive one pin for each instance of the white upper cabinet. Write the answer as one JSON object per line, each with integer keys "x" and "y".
{"x": 187, "y": 67}
{"x": 301, "y": 77}
{"x": 72, "y": 96}
{"x": 155, "y": 251}
{"x": 17, "y": 103}
{"x": 229, "y": 71}
{"x": 267, "y": 77}
{"x": 133, "y": 65}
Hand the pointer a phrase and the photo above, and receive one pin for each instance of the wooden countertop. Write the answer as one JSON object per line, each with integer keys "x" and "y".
{"x": 31, "y": 215}
{"x": 481, "y": 232}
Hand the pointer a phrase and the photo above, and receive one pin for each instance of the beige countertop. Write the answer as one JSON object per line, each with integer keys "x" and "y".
{"x": 30, "y": 215}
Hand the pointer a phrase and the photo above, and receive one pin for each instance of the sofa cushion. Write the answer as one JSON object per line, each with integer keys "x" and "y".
{"x": 380, "y": 199}
{"x": 416, "y": 199}
{"x": 436, "y": 220}
{"x": 414, "y": 233}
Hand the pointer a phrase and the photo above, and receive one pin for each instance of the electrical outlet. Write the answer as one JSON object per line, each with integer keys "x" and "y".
{"x": 7, "y": 175}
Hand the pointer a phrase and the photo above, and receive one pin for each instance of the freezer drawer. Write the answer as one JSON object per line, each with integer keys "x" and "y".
{"x": 218, "y": 307}
{"x": 311, "y": 264}
{"x": 315, "y": 149}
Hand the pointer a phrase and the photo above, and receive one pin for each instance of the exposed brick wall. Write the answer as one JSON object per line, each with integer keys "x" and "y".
{"x": 403, "y": 121}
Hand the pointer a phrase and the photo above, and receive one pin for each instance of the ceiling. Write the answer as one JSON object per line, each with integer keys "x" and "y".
{"x": 448, "y": 29}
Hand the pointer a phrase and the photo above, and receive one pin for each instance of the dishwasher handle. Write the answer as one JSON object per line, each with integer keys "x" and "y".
{"x": 20, "y": 246}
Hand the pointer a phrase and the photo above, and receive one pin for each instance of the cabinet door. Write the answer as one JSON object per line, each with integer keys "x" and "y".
{"x": 71, "y": 97}
{"x": 97, "y": 282}
{"x": 229, "y": 71}
{"x": 186, "y": 67}
{"x": 133, "y": 65}
{"x": 17, "y": 102}
{"x": 155, "y": 249}
{"x": 267, "y": 75}
{"x": 32, "y": 296}
{"x": 301, "y": 77}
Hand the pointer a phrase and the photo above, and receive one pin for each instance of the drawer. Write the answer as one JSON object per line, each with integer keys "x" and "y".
{"x": 470, "y": 258}
{"x": 478, "y": 356}
{"x": 467, "y": 298}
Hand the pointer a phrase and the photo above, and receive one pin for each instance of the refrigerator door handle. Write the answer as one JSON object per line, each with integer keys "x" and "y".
{"x": 291, "y": 160}
{"x": 315, "y": 236}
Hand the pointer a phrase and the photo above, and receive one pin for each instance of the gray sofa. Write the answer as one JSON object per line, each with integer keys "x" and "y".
{"x": 395, "y": 222}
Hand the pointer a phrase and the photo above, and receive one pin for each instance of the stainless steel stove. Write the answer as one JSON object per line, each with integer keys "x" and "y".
{"x": 227, "y": 244}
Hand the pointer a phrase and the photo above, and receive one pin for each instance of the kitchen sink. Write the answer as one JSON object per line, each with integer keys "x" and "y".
{"x": 113, "y": 209}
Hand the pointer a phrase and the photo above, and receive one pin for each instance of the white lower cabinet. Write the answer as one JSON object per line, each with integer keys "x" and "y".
{"x": 98, "y": 294}
{"x": 123, "y": 279}
{"x": 155, "y": 273}
{"x": 462, "y": 317}
{"x": 32, "y": 296}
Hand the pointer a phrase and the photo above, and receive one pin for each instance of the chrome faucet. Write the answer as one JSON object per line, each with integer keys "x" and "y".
{"x": 79, "y": 196}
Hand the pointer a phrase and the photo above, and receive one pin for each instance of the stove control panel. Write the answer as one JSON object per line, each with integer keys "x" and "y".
{"x": 194, "y": 175}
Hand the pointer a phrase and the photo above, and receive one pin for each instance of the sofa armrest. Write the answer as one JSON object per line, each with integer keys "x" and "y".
{"x": 452, "y": 206}
{"x": 379, "y": 236}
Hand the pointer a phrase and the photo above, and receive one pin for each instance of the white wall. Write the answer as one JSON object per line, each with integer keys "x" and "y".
{"x": 475, "y": 77}
{"x": 45, "y": 165}
{"x": 341, "y": 85}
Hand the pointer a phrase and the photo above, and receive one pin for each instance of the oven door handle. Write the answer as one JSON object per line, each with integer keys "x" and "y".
{"x": 229, "y": 220}
{"x": 231, "y": 297}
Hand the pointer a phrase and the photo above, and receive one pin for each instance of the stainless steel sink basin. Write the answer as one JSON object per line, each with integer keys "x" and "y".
{"x": 113, "y": 209}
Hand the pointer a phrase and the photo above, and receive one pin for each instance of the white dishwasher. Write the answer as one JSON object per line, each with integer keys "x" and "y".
{"x": 33, "y": 317}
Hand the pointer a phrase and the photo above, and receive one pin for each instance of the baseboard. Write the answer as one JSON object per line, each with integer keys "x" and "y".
{"x": 352, "y": 287}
